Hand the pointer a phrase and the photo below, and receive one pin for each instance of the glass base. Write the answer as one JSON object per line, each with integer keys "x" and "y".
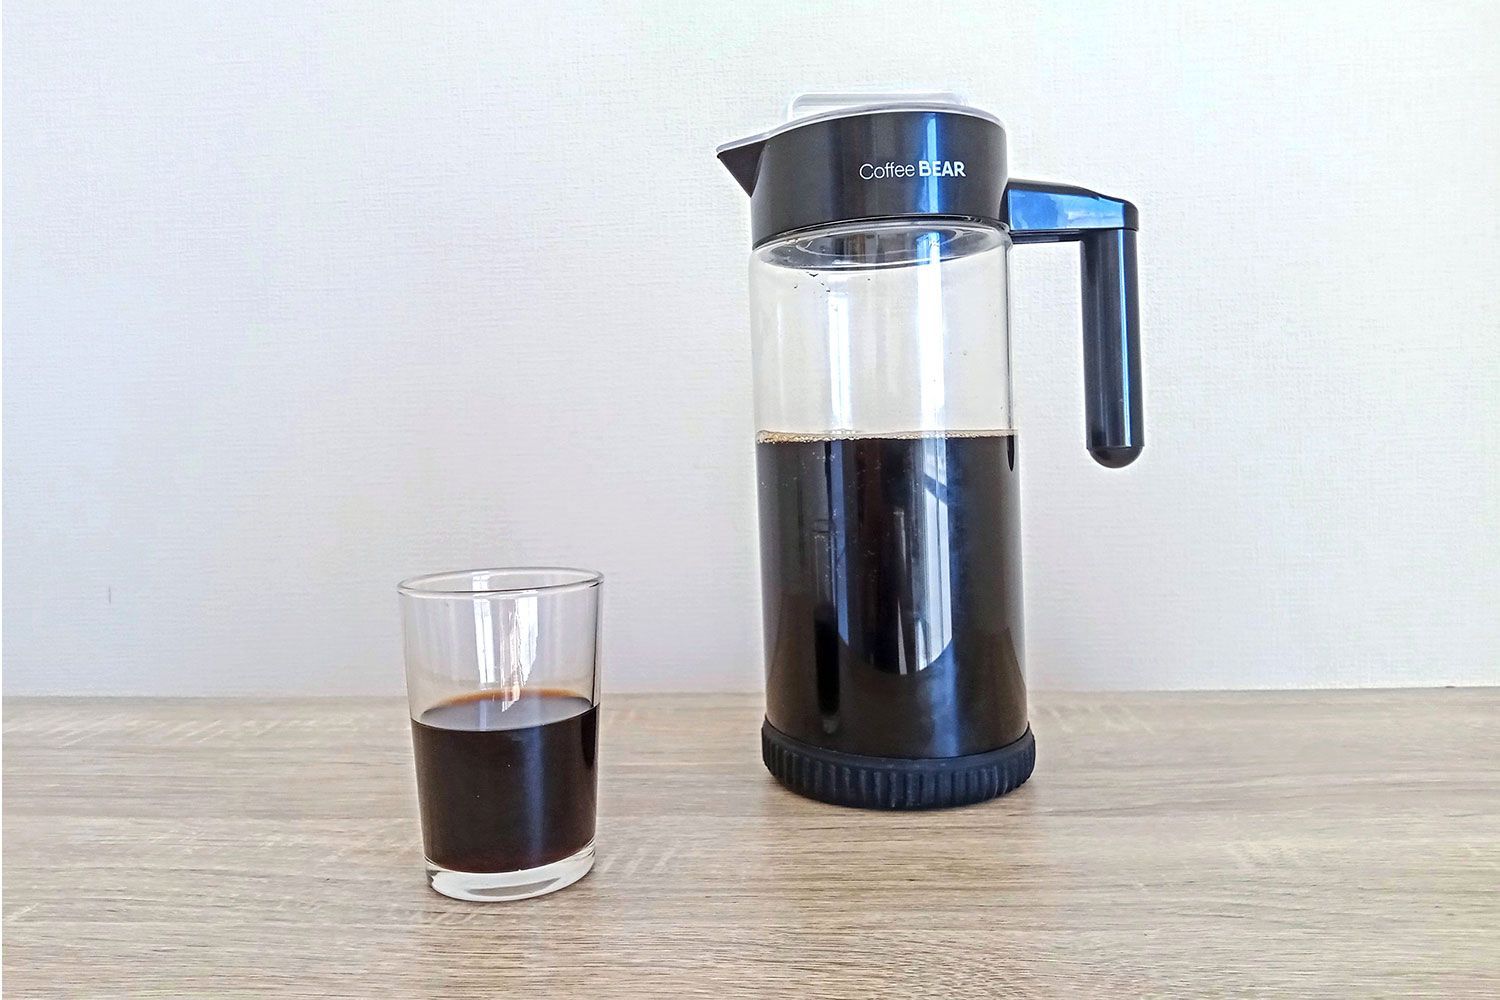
{"x": 501, "y": 887}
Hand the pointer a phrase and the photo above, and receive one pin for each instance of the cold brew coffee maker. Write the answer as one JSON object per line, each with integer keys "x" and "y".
{"x": 886, "y": 450}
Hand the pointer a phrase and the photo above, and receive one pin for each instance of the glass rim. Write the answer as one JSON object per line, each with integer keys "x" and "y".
{"x": 460, "y": 584}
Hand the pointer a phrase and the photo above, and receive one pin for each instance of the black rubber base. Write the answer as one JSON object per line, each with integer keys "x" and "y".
{"x": 848, "y": 779}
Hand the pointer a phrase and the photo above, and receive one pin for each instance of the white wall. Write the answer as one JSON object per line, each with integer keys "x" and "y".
{"x": 302, "y": 298}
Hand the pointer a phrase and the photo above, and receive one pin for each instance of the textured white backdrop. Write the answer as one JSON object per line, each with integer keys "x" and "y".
{"x": 301, "y": 298}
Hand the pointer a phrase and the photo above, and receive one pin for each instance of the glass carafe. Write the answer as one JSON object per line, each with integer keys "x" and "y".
{"x": 886, "y": 448}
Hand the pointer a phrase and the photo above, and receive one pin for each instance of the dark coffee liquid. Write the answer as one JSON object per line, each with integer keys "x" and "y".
{"x": 891, "y": 574}
{"x": 506, "y": 786}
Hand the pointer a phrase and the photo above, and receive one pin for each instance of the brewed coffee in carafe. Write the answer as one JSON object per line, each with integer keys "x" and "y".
{"x": 886, "y": 450}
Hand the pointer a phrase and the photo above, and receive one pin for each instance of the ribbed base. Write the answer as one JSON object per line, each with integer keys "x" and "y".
{"x": 847, "y": 779}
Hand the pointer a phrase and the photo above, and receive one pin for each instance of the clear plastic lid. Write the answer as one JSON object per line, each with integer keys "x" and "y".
{"x": 816, "y": 105}
{"x": 807, "y": 108}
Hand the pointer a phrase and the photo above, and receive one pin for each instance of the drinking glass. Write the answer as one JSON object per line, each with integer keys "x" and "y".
{"x": 502, "y": 679}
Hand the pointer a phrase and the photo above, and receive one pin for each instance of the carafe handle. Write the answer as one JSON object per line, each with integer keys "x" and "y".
{"x": 1105, "y": 227}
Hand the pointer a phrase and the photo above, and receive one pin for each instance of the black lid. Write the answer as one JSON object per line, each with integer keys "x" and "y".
{"x": 879, "y": 161}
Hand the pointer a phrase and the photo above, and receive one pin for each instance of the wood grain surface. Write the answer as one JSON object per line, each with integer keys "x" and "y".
{"x": 1290, "y": 844}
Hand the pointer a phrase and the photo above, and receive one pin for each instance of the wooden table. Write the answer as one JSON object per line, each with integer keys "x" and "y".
{"x": 1170, "y": 844}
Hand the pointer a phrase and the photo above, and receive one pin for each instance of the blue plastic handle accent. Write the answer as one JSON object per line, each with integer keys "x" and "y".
{"x": 1105, "y": 229}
